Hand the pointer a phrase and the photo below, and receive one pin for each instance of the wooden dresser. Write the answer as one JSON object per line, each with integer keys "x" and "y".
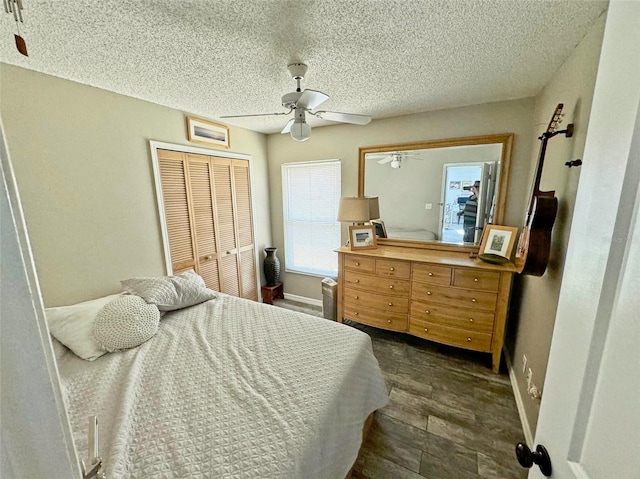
{"x": 438, "y": 295}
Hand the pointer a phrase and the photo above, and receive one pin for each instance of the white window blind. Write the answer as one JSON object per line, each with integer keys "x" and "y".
{"x": 311, "y": 194}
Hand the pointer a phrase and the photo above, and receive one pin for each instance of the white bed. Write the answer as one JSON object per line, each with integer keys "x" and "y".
{"x": 229, "y": 388}
{"x": 417, "y": 234}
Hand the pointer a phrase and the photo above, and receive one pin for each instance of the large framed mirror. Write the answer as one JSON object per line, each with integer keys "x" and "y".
{"x": 438, "y": 193}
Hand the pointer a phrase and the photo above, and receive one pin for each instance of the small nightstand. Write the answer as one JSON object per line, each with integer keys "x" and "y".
{"x": 269, "y": 293}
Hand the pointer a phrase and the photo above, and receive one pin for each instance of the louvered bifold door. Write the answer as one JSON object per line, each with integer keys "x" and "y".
{"x": 226, "y": 227}
{"x": 200, "y": 182}
{"x": 173, "y": 177}
{"x": 244, "y": 224}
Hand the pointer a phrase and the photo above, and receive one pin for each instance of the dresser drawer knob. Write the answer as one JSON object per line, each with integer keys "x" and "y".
{"x": 474, "y": 300}
{"x": 357, "y": 280}
{"x": 430, "y": 273}
{"x": 390, "y": 304}
{"x": 426, "y": 330}
{"x": 389, "y": 321}
{"x": 475, "y": 280}
{"x": 357, "y": 297}
{"x": 428, "y": 293}
{"x": 390, "y": 286}
{"x": 471, "y": 320}
{"x": 357, "y": 264}
{"x": 427, "y": 311}
{"x": 355, "y": 314}
{"x": 392, "y": 269}
{"x": 468, "y": 340}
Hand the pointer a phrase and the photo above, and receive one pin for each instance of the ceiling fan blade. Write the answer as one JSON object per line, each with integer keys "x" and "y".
{"x": 255, "y": 114}
{"x": 311, "y": 99}
{"x": 344, "y": 117}
{"x": 386, "y": 160}
{"x": 287, "y": 127}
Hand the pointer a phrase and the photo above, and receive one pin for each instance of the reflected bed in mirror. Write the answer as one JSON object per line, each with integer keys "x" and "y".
{"x": 438, "y": 192}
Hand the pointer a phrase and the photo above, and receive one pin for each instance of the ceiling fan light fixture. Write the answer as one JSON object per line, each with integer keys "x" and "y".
{"x": 396, "y": 162}
{"x": 300, "y": 130}
{"x": 300, "y": 102}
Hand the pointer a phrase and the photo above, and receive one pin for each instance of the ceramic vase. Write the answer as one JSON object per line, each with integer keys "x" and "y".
{"x": 271, "y": 267}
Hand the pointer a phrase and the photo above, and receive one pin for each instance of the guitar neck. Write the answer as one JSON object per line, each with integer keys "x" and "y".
{"x": 544, "y": 138}
{"x": 536, "y": 183}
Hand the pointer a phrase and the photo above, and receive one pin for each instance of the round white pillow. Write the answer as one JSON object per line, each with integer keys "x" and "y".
{"x": 125, "y": 323}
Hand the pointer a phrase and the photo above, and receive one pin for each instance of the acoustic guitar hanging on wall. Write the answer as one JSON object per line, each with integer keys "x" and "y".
{"x": 534, "y": 245}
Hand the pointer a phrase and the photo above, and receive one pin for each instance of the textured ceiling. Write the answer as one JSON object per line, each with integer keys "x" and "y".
{"x": 380, "y": 58}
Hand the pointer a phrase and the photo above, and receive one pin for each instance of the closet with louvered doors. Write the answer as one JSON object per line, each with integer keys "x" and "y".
{"x": 209, "y": 222}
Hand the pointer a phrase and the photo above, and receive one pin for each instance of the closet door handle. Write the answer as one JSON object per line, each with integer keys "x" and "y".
{"x": 207, "y": 258}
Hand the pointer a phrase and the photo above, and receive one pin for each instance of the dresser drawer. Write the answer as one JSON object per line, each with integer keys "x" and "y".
{"x": 365, "y": 299}
{"x": 474, "y": 340}
{"x": 469, "y": 319}
{"x": 476, "y": 279}
{"x": 359, "y": 263}
{"x": 432, "y": 274}
{"x": 377, "y": 284}
{"x": 378, "y": 319}
{"x": 454, "y": 297}
{"x": 397, "y": 269}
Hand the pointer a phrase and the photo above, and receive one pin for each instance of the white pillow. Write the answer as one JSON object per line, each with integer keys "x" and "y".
{"x": 169, "y": 293}
{"x": 73, "y": 326}
{"x": 125, "y": 323}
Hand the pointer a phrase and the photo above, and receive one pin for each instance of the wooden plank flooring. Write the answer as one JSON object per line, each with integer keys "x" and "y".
{"x": 448, "y": 417}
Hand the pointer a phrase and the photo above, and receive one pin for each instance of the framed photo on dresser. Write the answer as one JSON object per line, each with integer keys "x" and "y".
{"x": 381, "y": 231}
{"x": 362, "y": 237}
{"x": 498, "y": 240}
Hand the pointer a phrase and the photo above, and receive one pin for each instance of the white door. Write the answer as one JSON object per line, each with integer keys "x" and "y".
{"x": 36, "y": 435}
{"x": 590, "y": 413}
{"x": 487, "y": 189}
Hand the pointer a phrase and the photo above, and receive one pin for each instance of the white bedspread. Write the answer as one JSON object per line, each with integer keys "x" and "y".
{"x": 229, "y": 389}
{"x": 417, "y": 234}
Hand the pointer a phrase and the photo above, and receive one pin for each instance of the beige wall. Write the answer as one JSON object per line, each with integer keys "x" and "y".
{"x": 83, "y": 166}
{"x": 535, "y": 299}
{"x": 343, "y": 141}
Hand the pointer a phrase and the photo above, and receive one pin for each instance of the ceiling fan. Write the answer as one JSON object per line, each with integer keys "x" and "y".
{"x": 396, "y": 158}
{"x": 302, "y": 102}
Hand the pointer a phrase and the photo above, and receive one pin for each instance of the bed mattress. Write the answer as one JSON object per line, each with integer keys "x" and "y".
{"x": 229, "y": 388}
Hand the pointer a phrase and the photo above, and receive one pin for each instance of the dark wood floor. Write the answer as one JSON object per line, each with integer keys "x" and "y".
{"x": 448, "y": 417}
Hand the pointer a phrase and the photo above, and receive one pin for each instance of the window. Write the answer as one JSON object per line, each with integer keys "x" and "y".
{"x": 310, "y": 195}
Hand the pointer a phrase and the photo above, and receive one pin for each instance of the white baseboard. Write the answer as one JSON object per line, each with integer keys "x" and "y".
{"x": 303, "y": 299}
{"x": 526, "y": 429}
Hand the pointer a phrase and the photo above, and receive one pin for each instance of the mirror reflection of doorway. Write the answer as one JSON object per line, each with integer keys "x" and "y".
{"x": 462, "y": 212}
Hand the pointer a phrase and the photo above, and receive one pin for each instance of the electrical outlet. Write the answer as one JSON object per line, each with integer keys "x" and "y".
{"x": 524, "y": 364}
{"x": 529, "y": 378}
{"x": 428, "y": 206}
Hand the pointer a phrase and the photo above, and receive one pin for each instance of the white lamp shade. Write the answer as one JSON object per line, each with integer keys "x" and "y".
{"x": 374, "y": 208}
{"x": 358, "y": 209}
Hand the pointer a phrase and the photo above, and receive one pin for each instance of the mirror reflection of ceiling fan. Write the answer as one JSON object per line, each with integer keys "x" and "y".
{"x": 394, "y": 158}
{"x": 302, "y": 102}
